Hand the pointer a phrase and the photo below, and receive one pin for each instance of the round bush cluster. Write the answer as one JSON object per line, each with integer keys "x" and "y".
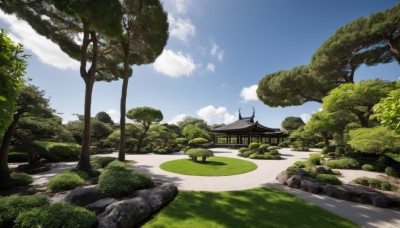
{"x": 57, "y": 215}
{"x": 101, "y": 162}
{"x": 367, "y": 167}
{"x": 391, "y": 172}
{"x": 328, "y": 179}
{"x": 260, "y": 151}
{"x": 197, "y": 141}
{"x": 65, "y": 181}
{"x": 21, "y": 179}
{"x": 343, "y": 163}
{"x": 254, "y": 146}
{"x": 199, "y": 152}
{"x": 118, "y": 180}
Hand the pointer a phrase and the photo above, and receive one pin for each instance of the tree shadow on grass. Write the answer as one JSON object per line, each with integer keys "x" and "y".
{"x": 215, "y": 163}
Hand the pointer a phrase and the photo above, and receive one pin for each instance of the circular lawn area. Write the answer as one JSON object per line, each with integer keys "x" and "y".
{"x": 214, "y": 166}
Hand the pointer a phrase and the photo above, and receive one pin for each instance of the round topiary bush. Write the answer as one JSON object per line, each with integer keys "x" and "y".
{"x": 64, "y": 151}
{"x": 367, "y": 167}
{"x": 273, "y": 148}
{"x": 64, "y": 182}
{"x": 263, "y": 148}
{"x": 57, "y": 215}
{"x": 243, "y": 149}
{"x": 101, "y": 162}
{"x": 391, "y": 172}
{"x": 21, "y": 179}
{"x": 274, "y": 152}
{"x": 119, "y": 165}
{"x": 254, "y": 146}
{"x": 11, "y": 206}
{"x": 199, "y": 152}
{"x": 315, "y": 159}
{"x": 197, "y": 142}
{"x": 328, "y": 179}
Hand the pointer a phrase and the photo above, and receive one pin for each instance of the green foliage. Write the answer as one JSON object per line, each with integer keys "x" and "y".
{"x": 57, "y": 215}
{"x": 391, "y": 172}
{"x": 145, "y": 115}
{"x": 283, "y": 144}
{"x": 374, "y": 140}
{"x": 254, "y": 146}
{"x": 118, "y": 180}
{"x": 101, "y": 162}
{"x": 265, "y": 156}
{"x": 291, "y": 169}
{"x": 328, "y": 179}
{"x": 262, "y": 148}
{"x": 64, "y": 182}
{"x": 18, "y": 157}
{"x": 63, "y": 151}
{"x": 99, "y": 130}
{"x": 104, "y": 117}
{"x": 21, "y": 179}
{"x": 84, "y": 174}
{"x": 273, "y": 148}
{"x": 301, "y": 148}
{"x": 197, "y": 142}
{"x": 376, "y": 183}
{"x": 12, "y": 206}
{"x": 193, "y": 121}
{"x": 335, "y": 172}
{"x": 12, "y": 68}
{"x": 243, "y": 149}
{"x": 181, "y": 141}
{"x": 292, "y": 123}
{"x": 315, "y": 159}
{"x": 247, "y": 153}
{"x": 193, "y": 131}
{"x": 388, "y": 110}
{"x": 274, "y": 152}
{"x": 320, "y": 145}
{"x": 199, "y": 152}
{"x": 367, "y": 167}
{"x": 343, "y": 163}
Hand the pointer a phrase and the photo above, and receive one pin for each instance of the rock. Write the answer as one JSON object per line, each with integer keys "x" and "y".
{"x": 380, "y": 200}
{"x": 84, "y": 196}
{"x": 130, "y": 213}
{"x": 321, "y": 169}
{"x": 294, "y": 181}
{"x": 336, "y": 191}
{"x": 300, "y": 172}
{"x": 100, "y": 205}
{"x": 310, "y": 185}
{"x": 282, "y": 177}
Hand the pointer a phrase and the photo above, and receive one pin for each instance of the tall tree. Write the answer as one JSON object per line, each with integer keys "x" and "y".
{"x": 104, "y": 117}
{"x": 145, "y": 33}
{"x": 30, "y": 100}
{"x": 145, "y": 116}
{"x": 12, "y": 68}
{"x": 193, "y": 121}
{"x": 358, "y": 99}
{"x": 89, "y": 21}
{"x": 292, "y": 123}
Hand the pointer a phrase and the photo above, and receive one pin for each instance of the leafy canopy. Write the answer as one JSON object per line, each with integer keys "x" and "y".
{"x": 374, "y": 140}
{"x": 388, "y": 110}
{"x": 145, "y": 114}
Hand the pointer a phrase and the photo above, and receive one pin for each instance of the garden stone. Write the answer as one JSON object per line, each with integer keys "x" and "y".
{"x": 310, "y": 185}
{"x": 282, "y": 177}
{"x": 294, "y": 181}
{"x": 84, "y": 196}
{"x": 300, "y": 172}
{"x": 100, "y": 205}
{"x": 336, "y": 191}
{"x": 380, "y": 200}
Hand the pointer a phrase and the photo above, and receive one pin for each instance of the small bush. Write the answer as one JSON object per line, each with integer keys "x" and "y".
{"x": 335, "y": 172}
{"x": 64, "y": 151}
{"x": 84, "y": 174}
{"x": 391, "y": 172}
{"x": 186, "y": 148}
{"x": 343, "y": 163}
{"x": 315, "y": 159}
{"x": 263, "y": 148}
{"x": 181, "y": 141}
{"x": 265, "y": 156}
{"x": 160, "y": 151}
{"x": 300, "y": 148}
{"x": 243, "y": 149}
{"x": 290, "y": 170}
{"x": 18, "y": 157}
{"x": 273, "y": 148}
{"x": 254, "y": 146}
{"x": 21, "y": 179}
{"x": 119, "y": 165}
{"x": 197, "y": 141}
{"x": 386, "y": 186}
{"x": 101, "y": 162}
{"x": 328, "y": 179}
{"x": 257, "y": 156}
{"x": 319, "y": 145}
{"x": 65, "y": 181}
{"x": 199, "y": 152}
{"x": 274, "y": 152}
{"x": 367, "y": 167}
{"x": 141, "y": 181}
{"x": 57, "y": 215}
{"x": 246, "y": 154}
{"x": 303, "y": 164}
{"x": 283, "y": 144}
{"x": 376, "y": 183}
{"x": 11, "y": 206}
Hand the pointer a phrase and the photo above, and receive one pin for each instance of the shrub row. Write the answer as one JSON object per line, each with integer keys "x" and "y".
{"x": 343, "y": 163}
{"x": 260, "y": 151}
{"x": 377, "y": 184}
{"x": 51, "y": 151}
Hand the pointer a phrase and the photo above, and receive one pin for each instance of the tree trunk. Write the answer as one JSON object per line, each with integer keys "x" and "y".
{"x": 124, "y": 93}
{"x": 84, "y": 159}
{"x": 5, "y": 179}
{"x": 141, "y": 137}
{"x": 394, "y": 50}
{"x": 325, "y": 138}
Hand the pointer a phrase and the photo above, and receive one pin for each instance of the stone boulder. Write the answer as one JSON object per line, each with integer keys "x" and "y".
{"x": 130, "y": 213}
{"x": 282, "y": 177}
{"x": 294, "y": 181}
{"x": 380, "y": 200}
{"x": 322, "y": 170}
{"x": 84, "y": 196}
{"x": 336, "y": 191}
{"x": 310, "y": 185}
{"x": 100, "y": 205}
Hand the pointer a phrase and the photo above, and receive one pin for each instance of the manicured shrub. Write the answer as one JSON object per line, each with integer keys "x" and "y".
{"x": 265, "y": 156}
{"x": 257, "y": 156}
{"x": 335, "y": 172}
{"x": 18, "y": 157}
{"x": 119, "y": 165}
{"x": 254, "y": 146}
{"x": 246, "y": 154}
{"x": 186, "y": 148}
{"x": 376, "y": 183}
{"x": 283, "y": 144}
{"x": 263, "y": 148}
{"x": 21, "y": 179}
{"x": 328, "y": 179}
{"x": 300, "y": 148}
{"x": 343, "y": 163}
{"x": 319, "y": 145}
{"x": 290, "y": 170}
{"x": 11, "y": 206}
{"x": 273, "y": 148}
{"x": 315, "y": 159}
{"x": 199, "y": 152}
{"x": 57, "y": 215}
{"x": 141, "y": 181}
{"x": 274, "y": 152}
{"x": 161, "y": 151}
{"x": 181, "y": 141}
{"x": 65, "y": 181}
{"x": 391, "y": 172}
{"x": 367, "y": 167}
{"x": 84, "y": 174}
{"x": 64, "y": 151}
{"x": 101, "y": 162}
{"x": 386, "y": 186}
{"x": 197, "y": 142}
{"x": 243, "y": 149}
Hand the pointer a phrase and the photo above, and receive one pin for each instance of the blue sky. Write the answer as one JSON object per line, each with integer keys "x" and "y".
{"x": 217, "y": 52}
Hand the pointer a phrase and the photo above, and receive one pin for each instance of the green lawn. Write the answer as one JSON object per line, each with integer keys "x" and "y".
{"x": 215, "y": 166}
{"x": 260, "y": 207}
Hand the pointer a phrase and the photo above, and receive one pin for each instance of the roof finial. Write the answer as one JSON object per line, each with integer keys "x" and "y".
{"x": 240, "y": 115}
{"x": 252, "y": 117}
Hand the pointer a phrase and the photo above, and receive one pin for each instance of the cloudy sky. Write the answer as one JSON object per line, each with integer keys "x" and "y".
{"x": 217, "y": 52}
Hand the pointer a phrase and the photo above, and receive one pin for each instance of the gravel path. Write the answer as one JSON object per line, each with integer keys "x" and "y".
{"x": 264, "y": 175}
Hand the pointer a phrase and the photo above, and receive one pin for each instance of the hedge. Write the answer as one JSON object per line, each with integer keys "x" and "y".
{"x": 65, "y": 181}
{"x": 21, "y": 179}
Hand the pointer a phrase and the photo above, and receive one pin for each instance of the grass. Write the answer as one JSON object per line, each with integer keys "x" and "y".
{"x": 214, "y": 166}
{"x": 260, "y": 207}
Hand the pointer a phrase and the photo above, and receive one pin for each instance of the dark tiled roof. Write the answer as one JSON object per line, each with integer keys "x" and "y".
{"x": 244, "y": 125}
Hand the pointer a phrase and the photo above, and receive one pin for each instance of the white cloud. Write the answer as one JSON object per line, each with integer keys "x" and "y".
{"x": 211, "y": 67}
{"x": 214, "y": 115}
{"x": 181, "y": 28}
{"x": 181, "y": 6}
{"x": 48, "y": 52}
{"x": 305, "y": 117}
{"x": 217, "y": 52}
{"x": 249, "y": 93}
{"x": 174, "y": 64}
{"x": 114, "y": 114}
{"x": 177, "y": 118}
